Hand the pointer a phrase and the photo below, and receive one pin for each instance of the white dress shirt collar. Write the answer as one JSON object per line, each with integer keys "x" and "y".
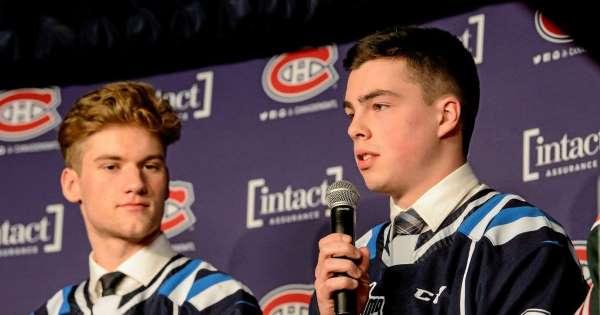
{"x": 437, "y": 202}
{"x": 139, "y": 269}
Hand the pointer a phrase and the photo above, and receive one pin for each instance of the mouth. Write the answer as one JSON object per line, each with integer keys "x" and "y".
{"x": 365, "y": 160}
{"x": 134, "y": 206}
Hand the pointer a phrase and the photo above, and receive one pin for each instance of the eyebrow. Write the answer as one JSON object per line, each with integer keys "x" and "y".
{"x": 369, "y": 96}
{"x": 118, "y": 158}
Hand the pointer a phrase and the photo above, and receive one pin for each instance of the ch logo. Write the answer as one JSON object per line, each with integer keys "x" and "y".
{"x": 427, "y": 296}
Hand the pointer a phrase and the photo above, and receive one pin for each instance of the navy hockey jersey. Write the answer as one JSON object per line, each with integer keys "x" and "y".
{"x": 494, "y": 254}
{"x": 183, "y": 286}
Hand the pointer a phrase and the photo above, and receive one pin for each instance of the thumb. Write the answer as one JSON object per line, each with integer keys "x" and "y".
{"x": 364, "y": 259}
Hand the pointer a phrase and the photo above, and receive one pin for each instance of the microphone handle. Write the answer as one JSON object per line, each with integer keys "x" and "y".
{"x": 342, "y": 221}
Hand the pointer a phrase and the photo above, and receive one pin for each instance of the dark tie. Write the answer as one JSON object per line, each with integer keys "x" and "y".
{"x": 110, "y": 281}
{"x": 408, "y": 222}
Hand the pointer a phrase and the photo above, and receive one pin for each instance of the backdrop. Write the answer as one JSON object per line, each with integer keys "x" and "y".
{"x": 263, "y": 139}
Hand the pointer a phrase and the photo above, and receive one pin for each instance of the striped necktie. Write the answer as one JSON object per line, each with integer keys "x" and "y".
{"x": 408, "y": 223}
{"x": 110, "y": 281}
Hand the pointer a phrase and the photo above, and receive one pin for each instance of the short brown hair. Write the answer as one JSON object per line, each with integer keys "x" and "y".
{"x": 437, "y": 61}
{"x": 117, "y": 103}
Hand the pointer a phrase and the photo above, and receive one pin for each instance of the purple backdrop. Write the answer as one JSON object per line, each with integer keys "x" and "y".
{"x": 262, "y": 139}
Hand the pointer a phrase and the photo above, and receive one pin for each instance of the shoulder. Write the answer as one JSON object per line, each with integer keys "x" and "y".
{"x": 61, "y": 302}
{"x": 372, "y": 238}
{"x": 199, "y": 284}
{"x": 506, "y": 217}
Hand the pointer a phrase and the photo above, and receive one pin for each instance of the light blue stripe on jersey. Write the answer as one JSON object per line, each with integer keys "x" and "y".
{"x": 372, "y": 243}
{"x": 509, "y": 215}
{"x": 170, "y": 284}
{"x": 471, "y": 222}
{"x": 206, "y": 282}
{"x": 65, "y": 308}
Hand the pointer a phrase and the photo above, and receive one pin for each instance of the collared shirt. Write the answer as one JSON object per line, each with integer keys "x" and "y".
{"x": 139, "y": 269}
{"x": 437, "y": 202}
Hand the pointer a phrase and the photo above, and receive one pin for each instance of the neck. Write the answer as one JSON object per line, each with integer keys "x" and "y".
{"x": 111, "y": 252}
{"x": 404, "y": 198}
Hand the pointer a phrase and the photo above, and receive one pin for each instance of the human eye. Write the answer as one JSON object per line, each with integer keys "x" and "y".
{"x": 349, "y": 112}
{"x": 379, "y": 107}
{"x": 153, "y": 166}
{"x": 111, "y": 167}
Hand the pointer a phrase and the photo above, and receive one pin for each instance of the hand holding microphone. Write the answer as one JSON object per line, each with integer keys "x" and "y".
{"x": 341, "y": 277}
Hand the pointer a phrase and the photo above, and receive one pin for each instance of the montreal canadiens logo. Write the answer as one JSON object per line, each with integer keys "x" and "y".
{"x": 581, "y": 252}
{"x": 298, "y": 76}
{"x": 287, "y": 300}
{"x": 178, "y": 215}
{"x": 549, "y": 31}
{"x": 28, "y": 113}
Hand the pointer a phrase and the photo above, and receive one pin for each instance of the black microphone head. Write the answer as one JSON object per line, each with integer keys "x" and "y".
{"x": 341, "y": 193}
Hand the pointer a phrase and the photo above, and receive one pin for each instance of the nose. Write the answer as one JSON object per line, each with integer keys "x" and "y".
{"x": 135, "y": 181}
{"x": 358, "y": 128}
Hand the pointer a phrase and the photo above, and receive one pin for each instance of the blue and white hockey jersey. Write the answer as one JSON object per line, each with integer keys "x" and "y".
{"x": 494, "y": 254}
{"x": 183, "y": 286}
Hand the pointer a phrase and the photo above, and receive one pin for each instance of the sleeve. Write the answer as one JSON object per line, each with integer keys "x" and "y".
{"x": 313, "y": 307}
{"x": 534, "y": 273}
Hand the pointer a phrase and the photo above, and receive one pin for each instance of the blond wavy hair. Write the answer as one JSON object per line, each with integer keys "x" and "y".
{"x": 119, "y": 103}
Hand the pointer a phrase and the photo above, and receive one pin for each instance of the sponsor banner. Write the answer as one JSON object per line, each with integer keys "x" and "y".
{"x": 543, "y": 157}
{"x": 26, "y": 114}
{"x": 473, "y": 36}
{"x": 547, "y": 30}
{"x": 194, "y": 101}
{"x": 34, "y": 237}
{"x": 273, "y": 206}
{"x": 298, "y": 76}
{"x": 289, "y": 299}
{"x": 178, "y": 216}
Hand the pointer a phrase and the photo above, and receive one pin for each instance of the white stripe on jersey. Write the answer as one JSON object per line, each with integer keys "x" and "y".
{"x": 453, "y": 227}
{"x": 214, "y": 294}
{"x": 477, "y": 232}
{"x": 502, "y": 234}
{"x": 463, "y": 288}
{"x": 80, "y": 299}
{"x": 53, "y": 305}
{"x": 151, "y": 289}
{"x": 179, "y": 294}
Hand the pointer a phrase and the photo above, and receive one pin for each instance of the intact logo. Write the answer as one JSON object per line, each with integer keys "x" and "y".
{"x": 287, "y": 300}
{"x": 547, "y": 157}
{"x": 298, "y": 76}
{"x": 42, "y": 235}
{"x": 194, "y": 101}
{"x": 178, "y": 216}
{"x": 581, "y": 252}
{"x": 28, "y": 113}
{"x": 549, "y": 31}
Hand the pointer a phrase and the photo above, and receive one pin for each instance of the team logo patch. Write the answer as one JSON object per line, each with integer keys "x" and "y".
{"x": 581, "y": 252}
{"x": 375, "y": 303}
{"x": 549, "y": 31}
{"x": 287, "y": 300}
{"x": 298, "y": 76}
{"x": 178, "y": 215}
{"x": 28, "y": 113}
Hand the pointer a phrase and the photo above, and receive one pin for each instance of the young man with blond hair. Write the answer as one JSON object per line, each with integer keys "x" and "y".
{"x": 452, "y": 245}
{"x": 114, "y": 142}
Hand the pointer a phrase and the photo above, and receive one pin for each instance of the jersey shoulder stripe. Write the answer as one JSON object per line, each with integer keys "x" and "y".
{"x": 511, "y": 222}
{"x": 369, "y": 239}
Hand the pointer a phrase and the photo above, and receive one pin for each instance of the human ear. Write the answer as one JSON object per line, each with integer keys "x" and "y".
{"x": 69, "y": 182}
{"x": 448, "y": 115}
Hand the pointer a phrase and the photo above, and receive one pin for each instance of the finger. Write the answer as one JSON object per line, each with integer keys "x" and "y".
{"x": 338, "y": 249}
{"x": 335, "y": 284}
{"x": 335, "y": 237}
{"x": 334, "y": 266}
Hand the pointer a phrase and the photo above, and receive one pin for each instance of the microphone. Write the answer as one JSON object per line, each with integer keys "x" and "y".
{"x": 342, "y": 198}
